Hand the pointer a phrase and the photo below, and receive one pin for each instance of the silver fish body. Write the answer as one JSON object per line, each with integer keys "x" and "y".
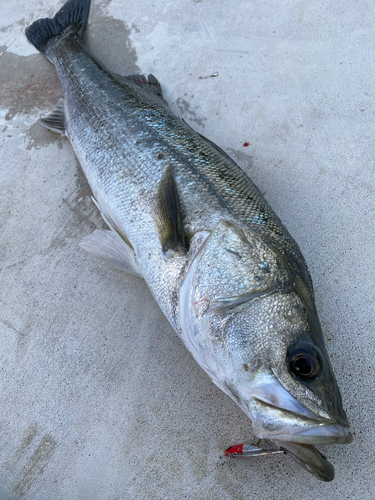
{"x": 235, "y": 288}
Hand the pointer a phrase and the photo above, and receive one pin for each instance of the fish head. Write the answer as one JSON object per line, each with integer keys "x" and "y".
{"x": 254, "y": 329}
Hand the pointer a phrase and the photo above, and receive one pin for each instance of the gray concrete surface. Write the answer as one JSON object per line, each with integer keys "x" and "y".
{"x": 99, "y": 398}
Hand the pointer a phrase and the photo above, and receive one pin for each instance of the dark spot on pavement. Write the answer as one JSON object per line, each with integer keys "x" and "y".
{"x": 28, "y": 84}
{"x": 80, "y": 214}
{"x": 35, "y": 465}
{"x": 28, "y": 438}
{"x": 98, "y": 9}
{"x": 188, "y": 112}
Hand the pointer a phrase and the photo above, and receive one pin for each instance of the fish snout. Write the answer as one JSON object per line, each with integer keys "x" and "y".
{"x": 280, "y": 424}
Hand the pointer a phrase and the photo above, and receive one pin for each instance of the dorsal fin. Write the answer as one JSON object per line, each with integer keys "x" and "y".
{"x": 150, "y": 84}
{"x": 211, "y": 144}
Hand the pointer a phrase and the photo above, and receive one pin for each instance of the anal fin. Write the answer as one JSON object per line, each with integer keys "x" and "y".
{"x": 109, "y": 246}
{"x": 56, "y": 120}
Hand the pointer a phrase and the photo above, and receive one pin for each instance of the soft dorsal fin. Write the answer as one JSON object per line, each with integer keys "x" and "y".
{"x": 56, "y": 119}
{"x": 169, "y": 214}
{"x": 218, "y": 149}
{"x": 150, "y": 84}
{"x": 215, "y": 146}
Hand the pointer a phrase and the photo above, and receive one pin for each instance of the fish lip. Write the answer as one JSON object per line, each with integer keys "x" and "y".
{"x": 314, "y": 431}
{"x": 314, "y": 434}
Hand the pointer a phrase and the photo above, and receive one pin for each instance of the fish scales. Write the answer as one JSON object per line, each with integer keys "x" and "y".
{"x": 222, "y": 267}
{"x": 118, "y": 133}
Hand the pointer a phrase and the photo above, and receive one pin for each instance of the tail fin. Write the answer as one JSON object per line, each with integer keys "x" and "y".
{"x": 71, "y": 17}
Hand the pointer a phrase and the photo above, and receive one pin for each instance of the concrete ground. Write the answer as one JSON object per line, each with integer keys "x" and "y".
{"x": 100, "y": 400}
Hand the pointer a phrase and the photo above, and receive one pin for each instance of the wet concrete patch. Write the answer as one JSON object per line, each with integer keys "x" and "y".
{"x": 21, "y": 23}
{"x": 38, "y": 137}
{"x": 108, "y": 41}
{"x": 28, "y": 84}
{"x": 79, "y": 211}
{"x": 243, "y": 160}
{"x": 188, "y": 112}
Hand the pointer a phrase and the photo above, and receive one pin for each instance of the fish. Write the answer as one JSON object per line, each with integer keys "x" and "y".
{"x": 222, "y": 267}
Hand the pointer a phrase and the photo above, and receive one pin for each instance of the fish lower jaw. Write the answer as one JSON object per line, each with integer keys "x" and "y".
{"x": 314, "y": 434}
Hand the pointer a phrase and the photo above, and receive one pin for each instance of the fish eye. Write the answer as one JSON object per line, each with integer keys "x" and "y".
{"x": 304, "y": 362}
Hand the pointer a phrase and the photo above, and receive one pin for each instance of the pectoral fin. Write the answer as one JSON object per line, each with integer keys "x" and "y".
{"x": 168, "y": 214}
{"x": 112, "y": 246}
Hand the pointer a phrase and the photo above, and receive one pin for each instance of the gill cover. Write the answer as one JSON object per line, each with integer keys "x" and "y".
{"x": 230, "y": 280}
{"x": 245, "y": 319}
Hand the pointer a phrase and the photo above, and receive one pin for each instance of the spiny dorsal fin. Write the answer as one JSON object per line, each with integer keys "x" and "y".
{"x": 218, "y": 149}
{"x": 170, "y": 222}
{"x": 56, "y": 120}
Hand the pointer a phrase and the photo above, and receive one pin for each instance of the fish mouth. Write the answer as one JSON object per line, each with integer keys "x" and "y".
{"x": 279, "y": 416}
{"x": 283, "y": 425}
{"x": 319, "y": 434}
{"x": 297, "y": 434}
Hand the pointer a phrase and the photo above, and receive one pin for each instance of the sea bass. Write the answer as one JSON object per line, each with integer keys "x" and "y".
{"x": 222, "y": 267}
